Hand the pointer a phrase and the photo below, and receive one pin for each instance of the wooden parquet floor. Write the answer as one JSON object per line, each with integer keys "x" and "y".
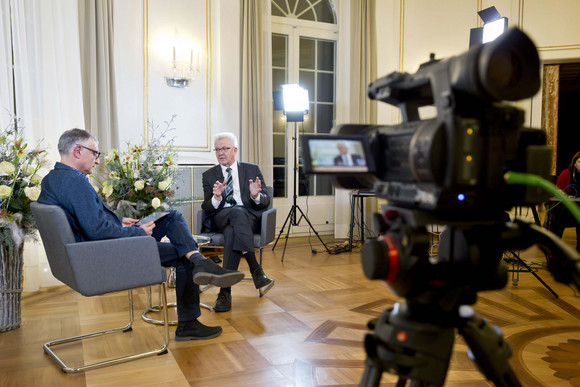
{"x": 307, "y": 331}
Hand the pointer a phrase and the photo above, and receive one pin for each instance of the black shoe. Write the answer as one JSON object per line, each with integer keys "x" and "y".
{"x": 195, "y": 330}
{"x": 206, "y": 272}
{"x": 224, "y": 302}
{"x": 260, "y": 279}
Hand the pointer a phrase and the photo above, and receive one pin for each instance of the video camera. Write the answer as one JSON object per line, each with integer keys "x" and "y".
{"x": 452, "y": 165}
{"x": 449, "y": 170}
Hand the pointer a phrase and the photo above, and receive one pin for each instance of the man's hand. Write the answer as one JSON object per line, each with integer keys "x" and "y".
{"x": 218, "y": 189}
{"x": 255, "y": 187}
{"x": 129, "y": 222}
{"x": 148, "y": 227}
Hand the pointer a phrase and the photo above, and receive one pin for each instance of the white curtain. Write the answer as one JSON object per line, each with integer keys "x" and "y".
{"x": 44, "y": 35}
{"x": 96, "y": 38}
{"x": 256, "y": 89}
{"x": 363, "y": 70}
{"x": 6, "y": 79}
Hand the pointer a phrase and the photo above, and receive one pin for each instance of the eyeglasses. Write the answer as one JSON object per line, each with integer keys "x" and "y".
{"x": 97, "y": 154}
{"x": 224, "y": 149}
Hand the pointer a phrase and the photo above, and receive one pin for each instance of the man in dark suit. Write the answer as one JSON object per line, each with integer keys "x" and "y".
{"x": 233, "y": 203}
{"x": 68, "y": 187}
{"x": 347, "y": 159}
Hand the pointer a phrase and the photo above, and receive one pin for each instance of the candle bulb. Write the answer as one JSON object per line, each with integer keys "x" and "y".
{"x": 191, "y": 59}
{"x": 197, "y": 62}
{"x": 174, "y": 63}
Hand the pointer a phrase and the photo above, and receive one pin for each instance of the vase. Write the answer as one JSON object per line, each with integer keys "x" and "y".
{"x": 11, "y": 266}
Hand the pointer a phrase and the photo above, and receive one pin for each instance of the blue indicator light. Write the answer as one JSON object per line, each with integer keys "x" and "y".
{"x": 461, "y": 197}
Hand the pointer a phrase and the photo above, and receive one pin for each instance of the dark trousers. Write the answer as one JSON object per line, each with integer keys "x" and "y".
{"x": 558, "y": 218}
{"x": 238, "y": 226}
{"x": 172, "y": 254}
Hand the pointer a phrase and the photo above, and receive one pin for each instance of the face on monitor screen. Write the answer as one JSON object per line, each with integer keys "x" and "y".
{"x": 336, "y": 154}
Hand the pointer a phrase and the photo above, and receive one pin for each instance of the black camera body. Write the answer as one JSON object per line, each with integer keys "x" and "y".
{"x": 452, "y": 165}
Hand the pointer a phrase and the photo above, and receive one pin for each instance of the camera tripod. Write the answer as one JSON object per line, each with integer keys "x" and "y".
{"x": 292, "y": 218}
{"x": 414, "y": 339}
{"x": 419, "y": 350}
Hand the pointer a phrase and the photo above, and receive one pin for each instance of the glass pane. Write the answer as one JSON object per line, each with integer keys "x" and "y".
{"x": 279, "y": 50}
{"x": 325, "y": 55}
{"x": 324, "y": 12}
{"x": 304, "y": 183}
{"x": 323, "y": 185}
{"x": 307, "y": 51}
{"x": 279, "y": 122}
{"x": 278, "y": 79}
{"x": 309, "y": 120}
{"x": 308, "y": 15}
{"x": 325, "y": 118}
{"x": 277, "y": 7}
{"x": 279, "y": 150}
{"x": 279, "y": 183}
{"x": 306, "y": 81}
{"x": 325, "y": 89}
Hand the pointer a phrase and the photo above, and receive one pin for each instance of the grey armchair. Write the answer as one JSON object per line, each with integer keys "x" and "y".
{"x": 99, "y": 267}
{"x": 266, "y": 235}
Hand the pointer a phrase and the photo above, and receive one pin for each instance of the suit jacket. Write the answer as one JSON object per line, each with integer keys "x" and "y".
{"x": 89, "y": 217}
{"x": 246, "y": 171}
{"x": 356, "y": 160}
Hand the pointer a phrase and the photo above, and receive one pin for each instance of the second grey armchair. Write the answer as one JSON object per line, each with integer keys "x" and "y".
{"x": 266, "y": 235}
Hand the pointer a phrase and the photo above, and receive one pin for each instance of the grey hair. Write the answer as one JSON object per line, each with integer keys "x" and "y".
{"x": 70, "y": 138}
{"x": 227, "y": 135}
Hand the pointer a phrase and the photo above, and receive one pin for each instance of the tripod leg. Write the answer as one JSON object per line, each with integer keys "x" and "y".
{"x": 282, "y": 230}
{"x": 490, "y": 350}
{"x": 312, "y": 228}
{"x": 521, "y": 262}
{"x": 372, "y": 374}
{"x": 286, "y": 241}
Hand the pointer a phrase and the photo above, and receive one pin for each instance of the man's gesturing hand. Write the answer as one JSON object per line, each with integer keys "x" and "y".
{"x": 255, "y": 187}
{"x": 218, "y": 189}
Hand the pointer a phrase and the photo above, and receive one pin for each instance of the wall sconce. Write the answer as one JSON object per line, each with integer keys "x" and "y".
{"x": 181, "y": 75}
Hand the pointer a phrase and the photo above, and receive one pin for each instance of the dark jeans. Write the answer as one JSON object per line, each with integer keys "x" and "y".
{"x": 172, "y": 254}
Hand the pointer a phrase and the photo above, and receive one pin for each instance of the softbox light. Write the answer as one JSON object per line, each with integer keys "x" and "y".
{"x": 295, "y": 101}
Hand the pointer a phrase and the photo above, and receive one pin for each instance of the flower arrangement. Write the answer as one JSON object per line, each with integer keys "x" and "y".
{"x": 19, "y": 184}
{"x": 139, "y": 181}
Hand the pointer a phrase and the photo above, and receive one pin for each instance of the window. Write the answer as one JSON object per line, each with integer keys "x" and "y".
{"x": 303, "y": 52}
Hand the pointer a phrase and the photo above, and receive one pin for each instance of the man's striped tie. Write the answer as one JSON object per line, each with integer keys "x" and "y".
{"x": 230, "y": 188}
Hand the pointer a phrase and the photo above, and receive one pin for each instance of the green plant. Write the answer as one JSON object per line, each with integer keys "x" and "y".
{"x": 139, "y": 181}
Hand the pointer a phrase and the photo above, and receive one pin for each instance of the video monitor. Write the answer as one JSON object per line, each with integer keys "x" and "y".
{"x": 348, "y": 154}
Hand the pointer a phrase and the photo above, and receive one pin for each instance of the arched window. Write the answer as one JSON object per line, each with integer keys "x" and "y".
{"x": 317, "y": 11}
{"x": 304, "y": 46}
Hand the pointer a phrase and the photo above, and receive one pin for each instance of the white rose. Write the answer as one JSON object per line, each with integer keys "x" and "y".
{"x": 107, "y": 190}
{"x": 163, "y": 185}
{"x": 35, "y": 179}
{"x": 7, "y": 167}
{"x": 5, "y": 191}
{"x": 155, "y": 203}
{"x": 139, "y": 185}
{"x": 32, "y": 193}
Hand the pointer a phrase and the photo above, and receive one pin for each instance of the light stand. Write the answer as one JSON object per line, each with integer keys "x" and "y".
{"x": 295, "y": 104}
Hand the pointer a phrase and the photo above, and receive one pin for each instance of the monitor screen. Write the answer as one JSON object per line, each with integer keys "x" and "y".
{"x": 337, "y": 154}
